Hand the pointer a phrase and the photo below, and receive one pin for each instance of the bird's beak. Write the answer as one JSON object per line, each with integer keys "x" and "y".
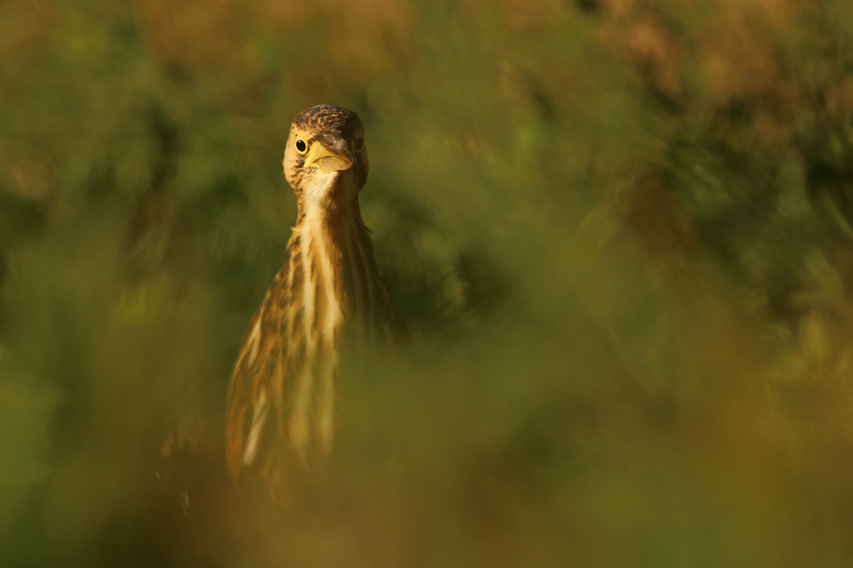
{"x": 329, "y": 157}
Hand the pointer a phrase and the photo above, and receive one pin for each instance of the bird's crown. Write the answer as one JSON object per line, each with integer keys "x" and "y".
{"x": 327, "y": 118}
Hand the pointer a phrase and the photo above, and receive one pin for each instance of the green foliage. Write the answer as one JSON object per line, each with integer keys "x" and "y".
{"x": 620, "y": 232}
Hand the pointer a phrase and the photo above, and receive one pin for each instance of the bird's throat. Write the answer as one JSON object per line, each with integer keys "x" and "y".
{"x": 335, "y": 191}
{"x": 335, "y": 252}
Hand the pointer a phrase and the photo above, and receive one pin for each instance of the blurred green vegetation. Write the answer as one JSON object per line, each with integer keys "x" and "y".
{"x": 621, "y": 232}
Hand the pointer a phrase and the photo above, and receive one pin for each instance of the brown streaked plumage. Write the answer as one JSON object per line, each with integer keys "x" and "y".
{"x": 280, "y": 414}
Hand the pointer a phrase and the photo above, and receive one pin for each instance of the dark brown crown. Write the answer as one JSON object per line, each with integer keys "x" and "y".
{"x": 327, "y": 118}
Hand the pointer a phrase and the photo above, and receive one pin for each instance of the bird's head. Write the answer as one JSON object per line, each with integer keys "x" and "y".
{"x": 325, "y": 160}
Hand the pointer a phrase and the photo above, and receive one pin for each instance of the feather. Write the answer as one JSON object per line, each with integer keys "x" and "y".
{"x": 280, "y": 410}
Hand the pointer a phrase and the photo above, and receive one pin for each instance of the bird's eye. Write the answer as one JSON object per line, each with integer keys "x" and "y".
{"x": 359, "y": 144}
{"x": 301, "y": 147}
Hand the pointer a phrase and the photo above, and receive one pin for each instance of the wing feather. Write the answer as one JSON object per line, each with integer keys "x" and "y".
{"x": 250, "y": 396}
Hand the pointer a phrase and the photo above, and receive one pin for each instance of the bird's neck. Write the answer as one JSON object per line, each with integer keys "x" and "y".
{"x": 333, "y": 249}
{"x": 327, "y": 227}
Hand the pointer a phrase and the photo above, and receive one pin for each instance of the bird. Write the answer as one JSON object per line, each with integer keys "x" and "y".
{"x": 280, "y": 411}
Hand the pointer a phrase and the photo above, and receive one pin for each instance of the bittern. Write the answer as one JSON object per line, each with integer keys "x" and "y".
{"x": 280, "y": 412}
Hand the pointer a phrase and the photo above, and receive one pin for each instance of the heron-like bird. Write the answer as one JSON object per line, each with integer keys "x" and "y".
{"x": 280, "y": 411}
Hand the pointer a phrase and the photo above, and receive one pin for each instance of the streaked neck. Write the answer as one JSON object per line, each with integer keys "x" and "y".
{"x": 336, "y": 251}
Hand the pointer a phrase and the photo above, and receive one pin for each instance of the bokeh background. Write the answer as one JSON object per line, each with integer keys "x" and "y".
{"x": 621, "y": 232}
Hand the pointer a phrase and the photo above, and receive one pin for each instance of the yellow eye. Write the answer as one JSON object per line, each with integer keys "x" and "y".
{"x": 301, "y": 147}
